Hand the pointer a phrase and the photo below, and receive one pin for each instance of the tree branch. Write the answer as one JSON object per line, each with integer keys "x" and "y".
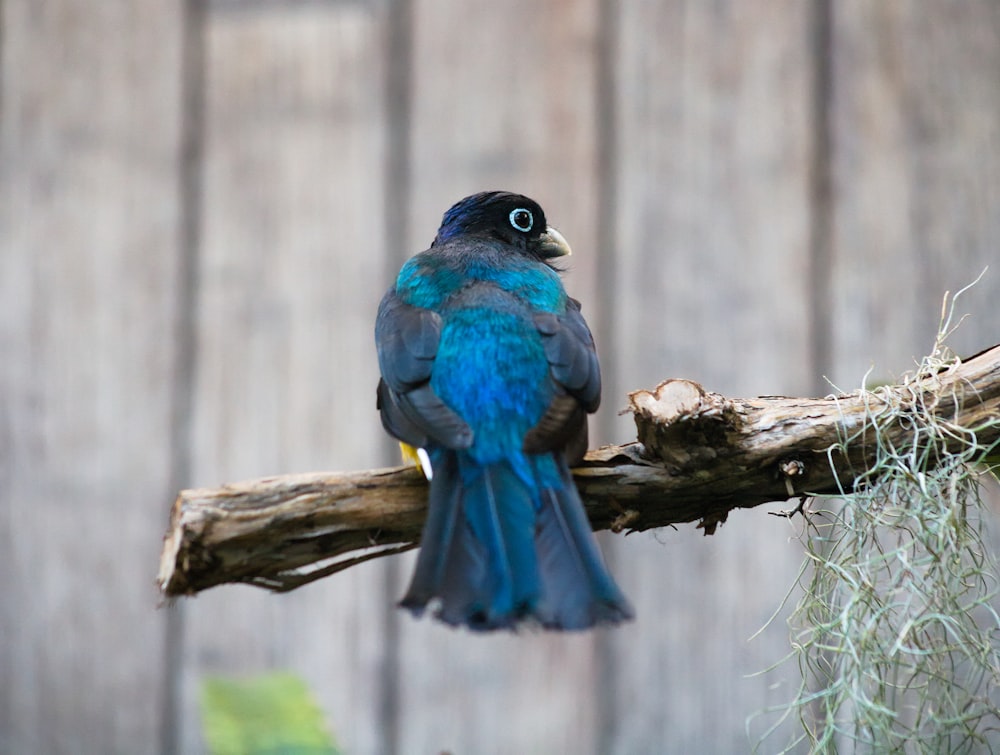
{"x": 699, "y": 455}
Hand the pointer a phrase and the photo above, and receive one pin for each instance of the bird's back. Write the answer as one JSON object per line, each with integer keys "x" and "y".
{"x": 489, "y": 367}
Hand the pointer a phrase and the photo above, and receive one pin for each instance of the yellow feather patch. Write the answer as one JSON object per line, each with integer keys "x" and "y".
{"x": 418, "y": 458}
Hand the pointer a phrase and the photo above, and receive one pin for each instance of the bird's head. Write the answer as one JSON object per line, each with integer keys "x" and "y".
{"x": 511, "y": 218}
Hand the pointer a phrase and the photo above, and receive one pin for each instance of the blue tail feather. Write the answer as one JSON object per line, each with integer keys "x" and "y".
{"x": 498, "y": 550}
{"x": 498, "y": 511}
{"x": 579, "y": 592}
{"x": 444, "y": 517}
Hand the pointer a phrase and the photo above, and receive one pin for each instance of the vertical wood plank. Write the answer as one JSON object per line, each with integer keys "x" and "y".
{"x": 89, "y": 156}
{"x": 916, "y": 134}
{"x": 509, "y": 103}
{"x": 711, "y": 269}
{"x": 290, "y": 279}
{"x": 708, "y": 280}
{"x": 503, "y": 98}
{"x": 917, "y": 180}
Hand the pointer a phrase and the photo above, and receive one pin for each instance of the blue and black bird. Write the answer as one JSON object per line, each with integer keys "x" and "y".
{"x": 488, "y": 373}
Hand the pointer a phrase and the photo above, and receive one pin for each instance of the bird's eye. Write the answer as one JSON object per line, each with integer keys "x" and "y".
{"x": 522, "y": 219}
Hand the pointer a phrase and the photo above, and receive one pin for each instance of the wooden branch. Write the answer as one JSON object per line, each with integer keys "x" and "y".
{"x": 698, "y": 456}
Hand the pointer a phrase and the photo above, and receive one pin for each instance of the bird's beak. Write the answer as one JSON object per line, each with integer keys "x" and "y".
{"x": 554, "y": 244}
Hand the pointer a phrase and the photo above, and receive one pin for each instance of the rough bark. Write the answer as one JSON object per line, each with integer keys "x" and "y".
{"x": 698, "y": 456}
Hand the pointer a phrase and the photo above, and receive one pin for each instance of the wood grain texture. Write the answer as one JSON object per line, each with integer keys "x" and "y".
{"x": 671, "y": 141}
{"x": 915, "y": 129}
{"x": 289, "y": 282}
{"x": 711, "y": 284}
{"x": 89, "y": 156}
{"x": 916, "y": 134}
{"x": 699, "y": 456}
{"x": 503, "y": 98}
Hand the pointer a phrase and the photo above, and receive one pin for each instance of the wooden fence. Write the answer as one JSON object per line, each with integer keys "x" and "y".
{"x": 202, "y": 202}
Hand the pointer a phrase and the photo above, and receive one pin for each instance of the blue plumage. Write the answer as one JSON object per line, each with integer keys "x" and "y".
{"x": 488, "y": 365}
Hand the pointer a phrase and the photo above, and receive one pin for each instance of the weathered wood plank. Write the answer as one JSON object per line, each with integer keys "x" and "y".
{"x": 916, "y": 134}
{"x": 503, "y": 98}
{"x": 289, "y": 280}
{"x": 89, "y": 217}
{"x": 712, "y": 137}
{"x": 711, "y": 268}
{"x": 916, "y": 164}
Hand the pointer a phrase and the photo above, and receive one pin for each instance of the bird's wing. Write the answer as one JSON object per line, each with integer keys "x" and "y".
{"x": 406, "y": 339}
{"x": 572, "y": 356}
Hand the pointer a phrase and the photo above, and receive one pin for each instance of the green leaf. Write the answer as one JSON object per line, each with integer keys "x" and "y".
{"x": 272, "y": 713}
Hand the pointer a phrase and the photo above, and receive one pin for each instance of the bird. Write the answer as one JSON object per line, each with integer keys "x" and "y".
{"x": 488, "y": 372}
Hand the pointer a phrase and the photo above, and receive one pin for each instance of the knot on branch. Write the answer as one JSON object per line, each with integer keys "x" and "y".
{"x": 683, "y": 425}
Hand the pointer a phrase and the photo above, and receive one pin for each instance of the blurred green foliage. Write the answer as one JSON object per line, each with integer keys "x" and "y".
{"x": 271, "y": 713}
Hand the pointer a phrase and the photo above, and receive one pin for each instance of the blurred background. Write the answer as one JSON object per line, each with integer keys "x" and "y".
{"x": 202, "y": 202}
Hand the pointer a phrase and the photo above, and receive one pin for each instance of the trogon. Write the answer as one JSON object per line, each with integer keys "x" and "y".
{"x": 488, "y": 372}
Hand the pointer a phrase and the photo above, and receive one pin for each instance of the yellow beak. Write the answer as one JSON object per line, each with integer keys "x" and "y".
{"x": 554, "y": 244}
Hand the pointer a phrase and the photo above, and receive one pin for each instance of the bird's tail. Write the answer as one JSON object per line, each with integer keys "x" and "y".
{"x": 498, "y": 550}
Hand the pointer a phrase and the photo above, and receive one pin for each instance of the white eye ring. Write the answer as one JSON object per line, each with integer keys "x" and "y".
{"x": 524, "y": 225}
